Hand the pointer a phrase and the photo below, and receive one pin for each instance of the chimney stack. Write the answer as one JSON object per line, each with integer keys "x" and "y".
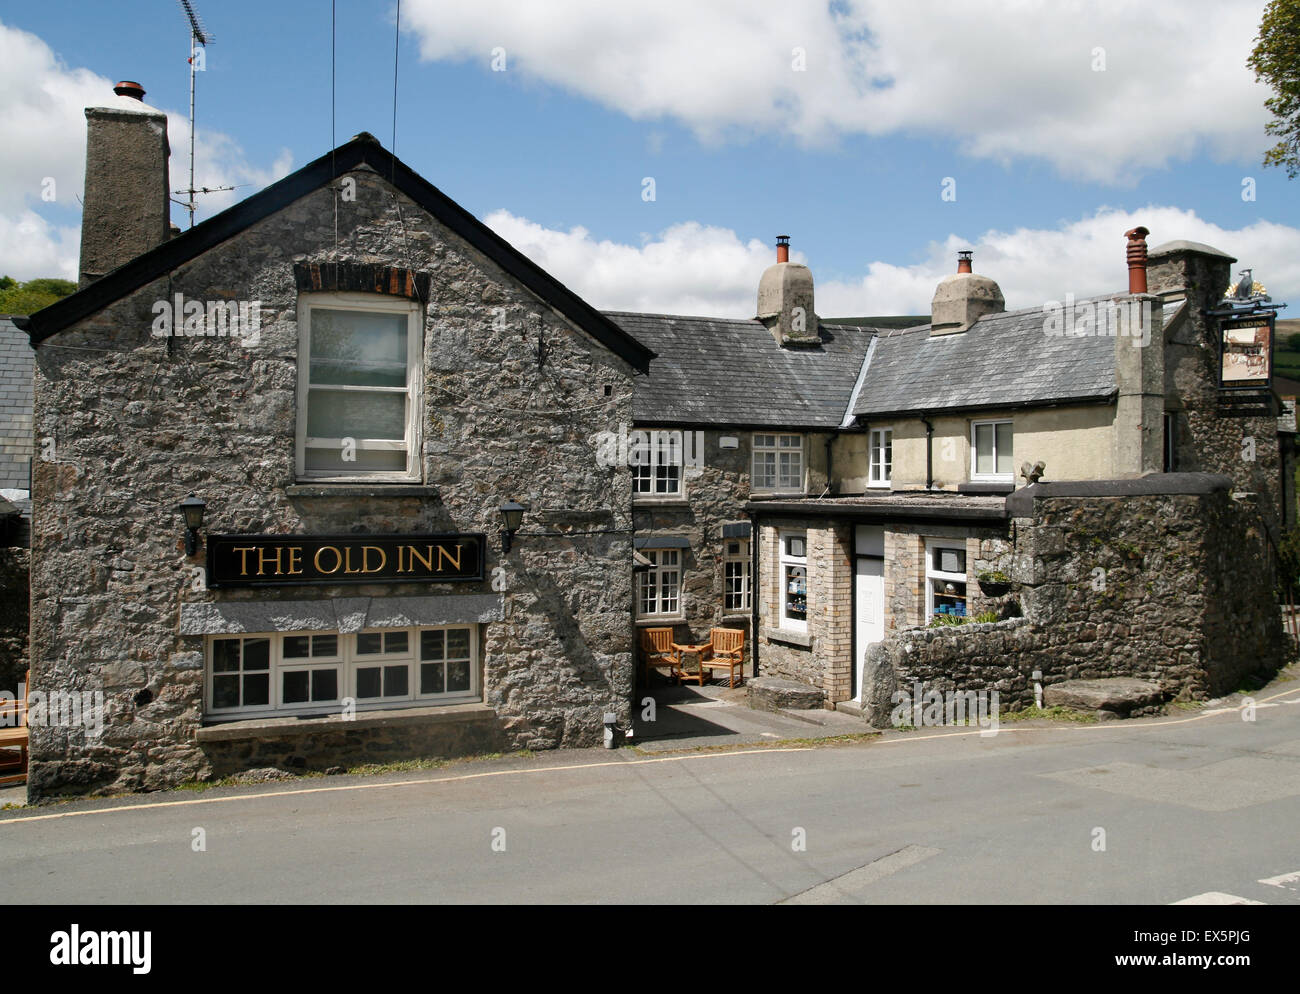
{"x": 1137, "y": 259}
{"x": 126, "y": 210}
{"x": 785, "y": 300}
{"x": 962, "y": 299}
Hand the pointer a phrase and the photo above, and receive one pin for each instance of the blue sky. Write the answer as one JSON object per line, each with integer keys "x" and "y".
{"x": 1052, "y": 158}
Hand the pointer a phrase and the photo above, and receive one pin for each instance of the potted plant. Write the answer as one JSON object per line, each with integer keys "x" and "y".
{"x": 994, "y": 583}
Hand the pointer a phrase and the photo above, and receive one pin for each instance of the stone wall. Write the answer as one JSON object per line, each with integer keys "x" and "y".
{"x": 137, "y": 422}
{"x": 1175, "y": 588}
{"x": 14, "y": 567}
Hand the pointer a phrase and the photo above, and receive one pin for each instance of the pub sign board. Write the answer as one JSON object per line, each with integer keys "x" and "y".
{"x": 1246, "y": 351}
{"x": 281, "y": 560}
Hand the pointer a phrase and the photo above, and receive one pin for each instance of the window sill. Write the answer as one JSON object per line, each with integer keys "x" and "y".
{"x": 360, "y": 490}
{"x": 285, "y": 726}
{"x": 800, "y": 639}
{"x": 665, "y": 501}
{"x": 880, "y": 486}
{"x": 675, "y": 619}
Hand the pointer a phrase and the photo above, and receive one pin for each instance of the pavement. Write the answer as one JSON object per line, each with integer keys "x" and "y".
{"x": 1198, "y": 808}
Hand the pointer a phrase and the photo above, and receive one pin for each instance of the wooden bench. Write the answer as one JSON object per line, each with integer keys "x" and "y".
{"x": 13, "y": 732}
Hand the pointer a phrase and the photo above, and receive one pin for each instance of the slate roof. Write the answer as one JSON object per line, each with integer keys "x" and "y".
{"x": 731, "y": 373}
{"x": 1003, "y": 360}
{"x": 364, "y": 149}
{"x": 17, "y": 359}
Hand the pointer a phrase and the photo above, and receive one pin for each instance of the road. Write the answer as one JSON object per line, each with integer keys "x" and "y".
{"x": 1197, "y": 806}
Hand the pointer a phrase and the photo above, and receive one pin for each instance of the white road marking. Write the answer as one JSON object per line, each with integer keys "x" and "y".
{"x": 1284, "y": 880}
{"x": 1216, "y": 897}
{"x": 838, "y": 890}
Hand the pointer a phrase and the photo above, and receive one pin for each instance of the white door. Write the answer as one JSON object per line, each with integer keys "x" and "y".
{"x": 869, "y": 584}
{"x": 870, "y": 619}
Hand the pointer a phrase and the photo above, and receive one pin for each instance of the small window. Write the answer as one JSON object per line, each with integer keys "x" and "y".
{"x": 656, "y": 458}
{"x": 991, "y": 451}
{"x": 358, "y": 387}
{"x": 778, "y": 463}
{"x": 945, "y": 580}
{"x": 736, "y": 576}
{"x": 659, "y": 587}
{"x": 794, "y": 581}
{"x": 882, "y": 457}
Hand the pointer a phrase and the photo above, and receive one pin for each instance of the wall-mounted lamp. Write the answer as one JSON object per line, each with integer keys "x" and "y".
{"x": 192, "y": 508}
{"x": 512, "y": 516}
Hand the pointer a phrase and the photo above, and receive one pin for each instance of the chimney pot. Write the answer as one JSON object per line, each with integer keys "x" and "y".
{"x": 963, "y": 261}
{"x": 129, "y": 88}
{"x": 782, "y": 248}
{"x": 1137, "y": 259}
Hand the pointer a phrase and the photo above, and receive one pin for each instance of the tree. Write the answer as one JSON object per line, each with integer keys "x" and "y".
{"x": 26, "y": 298}
{"x": 1292, "y": 342}
{"x": 1276, "y": 61}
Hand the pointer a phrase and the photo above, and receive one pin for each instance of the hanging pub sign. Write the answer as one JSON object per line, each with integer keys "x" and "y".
{"x": 1246, "y": 351}
{"x": 280, "y": 560}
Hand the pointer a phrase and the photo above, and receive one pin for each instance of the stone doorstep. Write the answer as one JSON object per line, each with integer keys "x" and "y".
{"x": 280, "y": 728}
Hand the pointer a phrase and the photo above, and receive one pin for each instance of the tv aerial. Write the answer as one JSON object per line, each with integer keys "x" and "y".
{"x": 200, "y": 38}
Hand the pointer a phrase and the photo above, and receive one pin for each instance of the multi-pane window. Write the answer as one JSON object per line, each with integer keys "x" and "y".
{"x": 315, "y": 671}
{"x": 358, "y": 386}
{"x": 794, "y": 580}
{"x": 882, "y": 457}
{"x": 736, "y": 576}
{"x": 656, "y": 458}
{"x": 945, "y": 580}
{"x": 991, "y": 451}
{"x": 659, "y": 587}
{"x": 241, "y": 673}
{"x": 778, "y": 462}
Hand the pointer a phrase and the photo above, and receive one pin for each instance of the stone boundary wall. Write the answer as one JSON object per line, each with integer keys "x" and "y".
{"x": 1173, "y": 588}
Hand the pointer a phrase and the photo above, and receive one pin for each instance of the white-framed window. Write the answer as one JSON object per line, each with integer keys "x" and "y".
{"x": 736, "y": 575}
{"x": 313, "y": 671}
{"x": 945, "y": 579}
{"x": 359, "y": 387}
{"x": 794, "y": 581}
{"x": 778, "y": 463}
{"x": 657, "y": 458}
{"x": 991, "y": 451}
{"x": 659, "y": 587}
{"x": 881, "y": 443}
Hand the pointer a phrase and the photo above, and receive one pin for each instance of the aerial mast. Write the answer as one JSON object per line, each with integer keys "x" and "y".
{"x": 199, "y": 35}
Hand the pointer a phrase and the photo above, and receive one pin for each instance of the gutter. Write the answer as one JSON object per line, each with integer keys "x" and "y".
{"x": 879, "y": 512}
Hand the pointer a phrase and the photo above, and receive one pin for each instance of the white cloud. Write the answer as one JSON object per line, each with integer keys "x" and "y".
{"x": 693, "y": 269}
{"x": 43, "y": 137}
{"x": 1005, "y": 80}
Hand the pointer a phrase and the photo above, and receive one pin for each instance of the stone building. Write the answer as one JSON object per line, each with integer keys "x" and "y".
{"x": 731, "y": 410}
{"x": 350, "y": 380}
{"x": 1123, "y": 412}
{"x": 16, "y": 358}
{"x": 354, "y": 375}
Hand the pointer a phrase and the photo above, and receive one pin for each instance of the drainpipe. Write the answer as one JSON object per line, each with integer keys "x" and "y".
{"x": 929, "y": 452}
{"x": 830, "y": 459}
{"x": 754, "y": 589}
